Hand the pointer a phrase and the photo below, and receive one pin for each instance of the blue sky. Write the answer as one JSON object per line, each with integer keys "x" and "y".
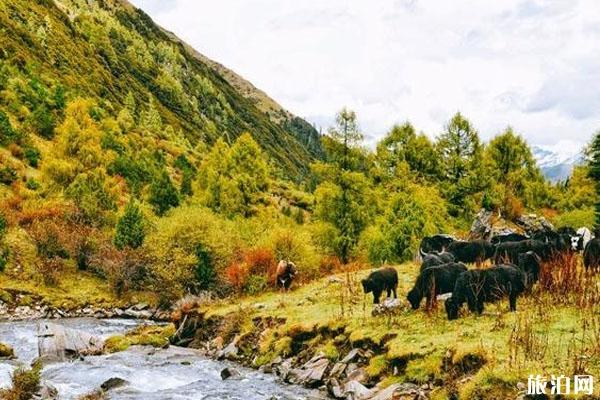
{"x": 534, "y": 65}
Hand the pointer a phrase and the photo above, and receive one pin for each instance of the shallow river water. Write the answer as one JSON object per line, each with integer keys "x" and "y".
{"x": 163, "y": 374}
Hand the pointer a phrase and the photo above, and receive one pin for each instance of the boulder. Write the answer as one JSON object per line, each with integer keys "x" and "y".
{"x": 283, "y": 369}
{"x": 532, "y": 223}
{"x": 387, "y": 307}
{"x": 354, "y": 390}
{"x": 230, "y": 352}
{"x": 58, "y": 343}
{"x": 230, "y": 373}
{"x": 310, "y": 374}
{"x": 113, "y": 383}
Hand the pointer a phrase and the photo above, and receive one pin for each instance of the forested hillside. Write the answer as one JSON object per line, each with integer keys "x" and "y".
{"x": 113, "y": 54}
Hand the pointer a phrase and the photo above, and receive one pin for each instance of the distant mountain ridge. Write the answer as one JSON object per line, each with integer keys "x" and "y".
{"x": 557, "y": 166}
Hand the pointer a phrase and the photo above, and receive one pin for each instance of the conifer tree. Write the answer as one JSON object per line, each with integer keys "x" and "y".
{"x": 594, "y": 173}
{"x": 130, "y": 228}
{"x": 163, "y": 194}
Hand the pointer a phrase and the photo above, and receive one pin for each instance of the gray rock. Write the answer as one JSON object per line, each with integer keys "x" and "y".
{"x": 399, "y": 391}
{"x": 354, "y": 390}
{"x": 113, "y": 383}
{"x": 230, "y": 373}
{"x": 482, "y": 227}
{"x": 47, "y": 392}
{"x": 230, "y": 352}
{"x": 387, "y": 307}
{"x": 358, "y": 375}
{"x": 310, "y": 374}
{"x": 351, "y": 356}
{"x": 338, "y": 370}
{"x": 140, "y": 307}
{"x": 532, "y": 223}
{"x": 131, "y": 313}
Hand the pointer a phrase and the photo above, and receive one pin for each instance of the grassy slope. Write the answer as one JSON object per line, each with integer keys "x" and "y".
{"x": 546, "y": 345}
{"x": 75, "y": 290}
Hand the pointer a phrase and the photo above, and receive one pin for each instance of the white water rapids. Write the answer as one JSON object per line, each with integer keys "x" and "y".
{"x": 163, "y": 374}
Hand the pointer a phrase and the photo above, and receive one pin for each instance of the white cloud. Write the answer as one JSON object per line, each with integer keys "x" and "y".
{"x": 531, "y": 64}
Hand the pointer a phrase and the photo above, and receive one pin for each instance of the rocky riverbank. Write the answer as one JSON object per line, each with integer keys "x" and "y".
{"x": 17, "y": 306}
{"x": 304, "y": 358}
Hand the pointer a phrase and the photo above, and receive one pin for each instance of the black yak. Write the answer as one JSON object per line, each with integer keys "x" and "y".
{"x": 380, "y": 280}
{"x": 509, "y": 252}
{"x": 508, "y": 237}
{"x": 433, "y": 259}
{"x": 475, "y": 251}
{"x": 434, "y": 280}
{"x": 435, "y": 243}
{"x": 591, "y": 255}
{"x": 529, "y": 263}
{"x": 479, "y": 286}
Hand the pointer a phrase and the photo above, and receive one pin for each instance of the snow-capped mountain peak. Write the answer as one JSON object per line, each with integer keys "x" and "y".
{"x": 557, "y": 161}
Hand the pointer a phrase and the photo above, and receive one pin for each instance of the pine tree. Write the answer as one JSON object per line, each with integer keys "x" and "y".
{"x": 163, "y": 194}
{"x": 594, "y": 173}
{"x": 342, "y": 199}
{"x": 461, "y": 162}
{"x": 130, "y": 228}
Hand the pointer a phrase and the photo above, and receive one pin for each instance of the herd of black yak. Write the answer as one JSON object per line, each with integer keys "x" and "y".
{"x": 516, "y": 261}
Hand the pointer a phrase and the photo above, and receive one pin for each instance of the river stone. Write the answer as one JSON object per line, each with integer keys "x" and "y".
{"x": 113, "y": 383}
{"x": 135, "y": 314}
{"x": 230, "y": 352}
{"x": 58, "y": 343}
{"x": 230, "y": 373}
{"x": 354, "y": 390}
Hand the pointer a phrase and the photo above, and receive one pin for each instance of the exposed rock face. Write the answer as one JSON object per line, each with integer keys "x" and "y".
{"x": 488, "y": 224}
{"x": 532, "y": 223}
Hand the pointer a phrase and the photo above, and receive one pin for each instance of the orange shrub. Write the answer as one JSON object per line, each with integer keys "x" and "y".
{"x": 236, "y": 275}
{"x": 260, "y": 261}
{"x": 15, "y": 150}
{"x": 330, "y": 265}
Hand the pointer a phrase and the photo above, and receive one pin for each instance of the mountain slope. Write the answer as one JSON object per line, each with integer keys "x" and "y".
{"x": 302, "y": 130}
{"x": 554, "y": 165}
{"x": 108, "y": 49}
